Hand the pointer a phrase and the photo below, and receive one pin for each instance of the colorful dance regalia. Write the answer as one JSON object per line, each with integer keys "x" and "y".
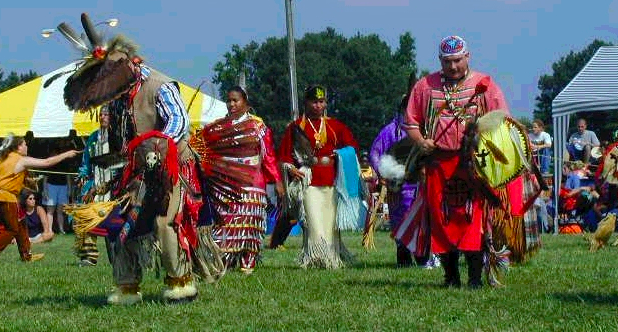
{"x": 157, "y": 201}
{"x": 241, "y": 225}
{"x": 452, "y": 200}
{"x": 316, "y": 200}
{"x": 449, "y": 201}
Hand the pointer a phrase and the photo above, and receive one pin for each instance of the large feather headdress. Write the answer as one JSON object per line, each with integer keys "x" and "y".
{"x": 106, "y": 71}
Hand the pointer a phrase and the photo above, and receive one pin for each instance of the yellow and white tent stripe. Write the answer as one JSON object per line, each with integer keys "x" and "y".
{"x": 42, "y": 110}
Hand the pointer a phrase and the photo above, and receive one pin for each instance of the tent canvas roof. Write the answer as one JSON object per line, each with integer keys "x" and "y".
{"x": 594, "y": 88}
{"x": 31, "y": 107}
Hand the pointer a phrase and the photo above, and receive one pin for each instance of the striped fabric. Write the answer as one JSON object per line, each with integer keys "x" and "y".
{"x": 172, "y": 111}
{"x": 593, "y": 89}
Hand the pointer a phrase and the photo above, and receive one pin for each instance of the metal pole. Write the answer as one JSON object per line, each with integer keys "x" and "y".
{"x": 291, "y": 59}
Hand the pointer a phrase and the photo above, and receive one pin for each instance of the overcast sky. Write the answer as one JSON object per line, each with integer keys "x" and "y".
{"x": 515, "y": 41}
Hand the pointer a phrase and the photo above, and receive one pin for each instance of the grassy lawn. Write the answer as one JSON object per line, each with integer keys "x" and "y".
{"x": 564, "y": 288}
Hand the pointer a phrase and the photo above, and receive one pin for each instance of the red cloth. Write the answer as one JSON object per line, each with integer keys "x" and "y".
{"x": 270, "y": 166}
{"x": 170, "y": 161}
{"x": 338, "y": 136}
{"x": 456, "y": 221}
{"x": 568, "y": 203}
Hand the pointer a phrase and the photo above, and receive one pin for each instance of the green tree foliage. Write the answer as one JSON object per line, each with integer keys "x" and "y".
{"x": 364, "y": 77}
{"x": 524, "y": 120}
{"x": 564, "y": 70}
{"x": 15, "y": 79}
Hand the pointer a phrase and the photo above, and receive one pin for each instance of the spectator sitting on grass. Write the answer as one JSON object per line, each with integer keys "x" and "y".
{"x": 576, "y": 198}
{"x": 39, "y": 227}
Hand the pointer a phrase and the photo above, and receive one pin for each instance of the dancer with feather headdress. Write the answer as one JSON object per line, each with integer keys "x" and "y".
{"x": 156, "y": 202}
{"x": 248, "y": 143}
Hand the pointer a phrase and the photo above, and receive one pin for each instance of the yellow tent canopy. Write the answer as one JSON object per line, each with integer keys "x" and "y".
{"x": 42, "y": 110}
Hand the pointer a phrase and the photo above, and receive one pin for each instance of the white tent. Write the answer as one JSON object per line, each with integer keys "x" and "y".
{"x": 30, "y": 106}
{"x": 595, "y": 88}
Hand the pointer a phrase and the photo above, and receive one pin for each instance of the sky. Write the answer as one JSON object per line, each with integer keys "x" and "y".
{"x": 515, "y": 41}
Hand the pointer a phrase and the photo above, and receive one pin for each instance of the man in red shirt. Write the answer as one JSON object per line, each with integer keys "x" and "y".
{"x": 448, "y": 201}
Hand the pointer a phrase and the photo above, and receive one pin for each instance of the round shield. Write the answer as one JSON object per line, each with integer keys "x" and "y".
{"x": 503, "y": 151}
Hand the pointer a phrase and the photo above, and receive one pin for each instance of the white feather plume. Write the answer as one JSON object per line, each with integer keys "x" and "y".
{"x": 390, "y": 169}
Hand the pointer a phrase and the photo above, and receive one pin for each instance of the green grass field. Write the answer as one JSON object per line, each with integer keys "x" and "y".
{"x": 564, "y": 288}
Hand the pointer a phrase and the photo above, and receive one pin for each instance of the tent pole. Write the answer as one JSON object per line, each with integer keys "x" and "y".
{"x": 291, "y": 59}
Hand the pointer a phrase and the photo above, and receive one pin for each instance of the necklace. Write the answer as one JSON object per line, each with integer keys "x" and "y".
{"x": 450, "y": 88}
{"x": 316, "y": 135}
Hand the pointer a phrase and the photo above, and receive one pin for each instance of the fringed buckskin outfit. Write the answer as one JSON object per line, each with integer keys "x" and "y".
{"x": 322, "y": 244}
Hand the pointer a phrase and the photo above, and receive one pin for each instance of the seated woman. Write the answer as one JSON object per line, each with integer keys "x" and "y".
{"x": 39, "y": 228}
{"x": 575, "y": 198}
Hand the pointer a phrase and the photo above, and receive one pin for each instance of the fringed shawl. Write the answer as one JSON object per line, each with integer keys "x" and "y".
{"x": 350, "y": 210}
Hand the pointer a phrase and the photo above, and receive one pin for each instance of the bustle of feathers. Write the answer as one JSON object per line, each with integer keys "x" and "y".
{"x": 303, "y": 152}
{"x": 496, "y": 265}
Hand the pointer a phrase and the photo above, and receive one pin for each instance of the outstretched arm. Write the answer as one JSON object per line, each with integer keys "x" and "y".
{"x": 29, "y": 162}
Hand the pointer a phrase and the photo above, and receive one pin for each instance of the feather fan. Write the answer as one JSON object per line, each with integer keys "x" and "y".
{"x": 401, "y": 149}
{"x": 303, "y": 152}
{"x": 496, "y": 265}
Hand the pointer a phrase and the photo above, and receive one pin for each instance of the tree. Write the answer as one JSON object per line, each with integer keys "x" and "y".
{"x": 564, "y": 70}
{"x": 237, "y": 61}
{"x": 364, "y": 77}
{"x": 15, "y": 79}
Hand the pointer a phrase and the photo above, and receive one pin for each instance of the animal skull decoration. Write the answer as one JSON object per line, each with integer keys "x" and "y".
{"x": 153, "y": 160}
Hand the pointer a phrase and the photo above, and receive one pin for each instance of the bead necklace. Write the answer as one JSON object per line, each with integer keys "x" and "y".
{"x": 449, "y": 89}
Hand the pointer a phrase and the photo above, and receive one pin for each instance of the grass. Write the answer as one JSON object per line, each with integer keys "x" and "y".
{"x": 564, "y": 288}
